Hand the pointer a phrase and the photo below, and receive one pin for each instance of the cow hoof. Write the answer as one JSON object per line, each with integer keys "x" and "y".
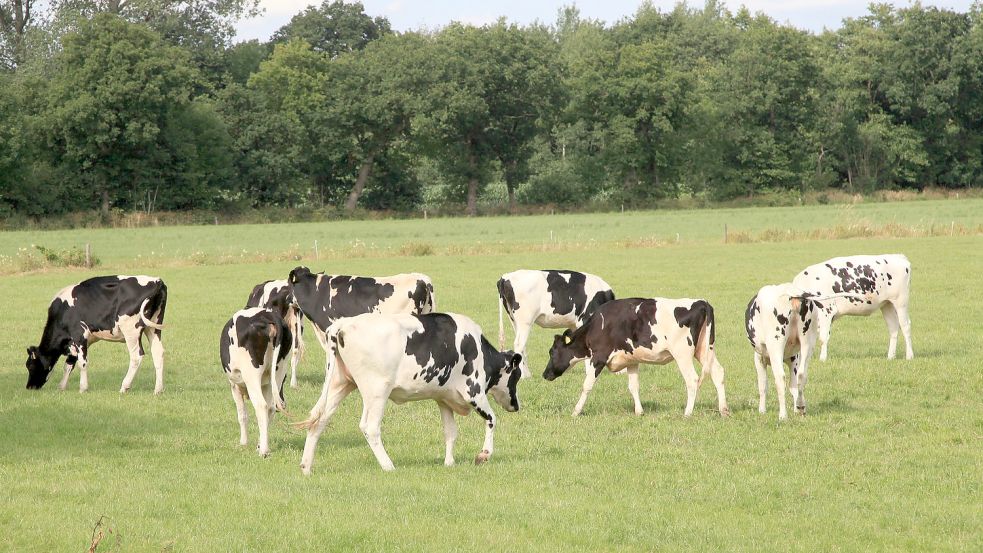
{"x": 449, "y": 463}
{"x": 83, "y": 390}
{"x": 294, "y": 385}
{"x": 639, "y": 412}
{"x": 800, "y": 410}
{"x": 305, "y": 470}
{"x": 124, "y": 390}
{"x": 725, "y": 411}
{"x": 158, "y": 392}
{"x": 482, "y": 457}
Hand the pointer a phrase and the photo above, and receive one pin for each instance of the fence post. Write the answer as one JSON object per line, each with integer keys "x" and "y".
{"x": 88, "y": 256}
{"x": 725, "y": 233}
{"x": 316, "y": 255}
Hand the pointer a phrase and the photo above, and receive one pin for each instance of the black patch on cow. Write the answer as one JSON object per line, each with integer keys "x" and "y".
{"x": 422, "y": 297}
{"x": 749, "y": 313}
{"x": 256, "y": 334}
{"x": 600, "y": 298}
{"x": 336, "y": 296}
{"x": 782, "y": 319}
{"x": 434, "y": 347}
{"x": 507, "y": 295}
{"x": 98, "y": 303}
{"x": 469, "y": 352}
{"x": 694, "y": 318}
{"x": 224, "y": 343}
{"x": 473, "y": 387}
{"x": 567, "y": 297}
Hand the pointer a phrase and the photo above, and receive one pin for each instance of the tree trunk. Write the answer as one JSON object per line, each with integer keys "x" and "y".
{"x": 363, "y": 176}
{"x": 472, "y": 186}
{"x": 104, "y": 209}
{"x": 511, "y": 199}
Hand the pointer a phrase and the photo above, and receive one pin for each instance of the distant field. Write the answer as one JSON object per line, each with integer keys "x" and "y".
{"x": 889, "y": 457}
{"x": 340, "y": 241}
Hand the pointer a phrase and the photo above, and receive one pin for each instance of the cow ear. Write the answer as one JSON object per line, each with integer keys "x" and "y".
{"x": 32, "y": 352}
{"x": 516, "y": 360}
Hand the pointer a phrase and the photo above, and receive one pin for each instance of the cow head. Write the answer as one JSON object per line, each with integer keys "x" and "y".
{"x": 505, "y": 390}
{"x": 38, "y": 368}
{"x": 566, "y": 352}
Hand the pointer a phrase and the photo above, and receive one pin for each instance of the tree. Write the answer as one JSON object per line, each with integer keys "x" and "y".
{"x": 334, "y": 28}
{"x": 116, "y": 86}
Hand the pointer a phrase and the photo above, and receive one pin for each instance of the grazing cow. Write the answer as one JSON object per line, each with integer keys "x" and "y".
{"x": 323, "y": 299}
{"x": 254, "y": 346}
{"x": 550, "y": 299}
{"x": 624, "y": 333}
{"x": 782, "y": 325}
{"x": 115, "y": 308}
{"x": 438, "y": 356}
{"x": 275, "y": 295}
{"x": 865, "y": 284}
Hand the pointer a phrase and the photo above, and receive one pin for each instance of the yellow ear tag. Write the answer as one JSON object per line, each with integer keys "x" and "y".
{"x": 567, "y": 340}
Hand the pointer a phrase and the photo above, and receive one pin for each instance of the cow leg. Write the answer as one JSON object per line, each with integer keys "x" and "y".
{"x": 825, "y": 328}
{"x": 157, "y": 353}
{"x": 793, "y": 381}
{"x": 778, "y": 371}
{"x": 893, "y": 326}
{"x": 717, "y": 375}
{"x": 589, "y": 380}
{"x": 373, "y": 408}
{"x": 280, "y": 374}
{"x": 70, "y": 362}
{"x": 692, "y": 380}
{"x": 759, "y": 365}
{"x": 241, "y": 413}
{"x": 297, "y": 350}
{"x": 83, "y": 364}
{"x": 901, "y": 308}
{"x": 135, "y": 347}
{"x": 801, "y": 374}
{"x": 633, "y": 386}
{"x": 450, "y": 433}
{"x": 481, "y": 405}
{"x": 261, "y": 397}
{"x": 522, "y": 330}
{"x": 335, "y": 390}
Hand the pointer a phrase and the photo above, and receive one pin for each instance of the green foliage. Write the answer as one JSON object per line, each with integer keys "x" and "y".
{"x": 145, "y": 105}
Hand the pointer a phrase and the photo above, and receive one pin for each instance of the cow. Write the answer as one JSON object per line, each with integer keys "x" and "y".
{"x": 275, "y": 295}
{"x": 408, "y": 357}
{"x": 117, "y": 308}
{"x": 782, "y": 324}
{"x": 254, "y": 346}
{"x": 865, "y": 284}
{"x": 548, "y": 298}
{"x": 621, "y": 334}
{"x": 323, "y": 299}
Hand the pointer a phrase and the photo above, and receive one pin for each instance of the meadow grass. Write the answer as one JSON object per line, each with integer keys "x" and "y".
{"x": 889, "y": 457}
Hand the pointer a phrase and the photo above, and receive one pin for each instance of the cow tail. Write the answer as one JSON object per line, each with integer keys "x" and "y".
{"x": 299, "y": 335}
{"x": 501, "y": 327}
{"x": 143, "y": 317}
{"x": 276, "y": 340}
{"x": 704, "y": 348}
{"x": 318, "y": 410}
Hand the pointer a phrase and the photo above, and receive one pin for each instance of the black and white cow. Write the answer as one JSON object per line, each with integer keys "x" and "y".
{"x": 116, "y": 308}
{"x": 782, "y": 325}
{"x": 254, "y": 347}
{"x": 624, "y": 333}
{"x": 550, "y": 299}
{"x": 438, "y": 356}
{"x": 866, "y": 283}
{"x": 323, "y": 299}
{"x": 275, "y": 295}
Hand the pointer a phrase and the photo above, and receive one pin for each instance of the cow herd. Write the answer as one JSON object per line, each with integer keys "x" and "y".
{"x": 383, "y": 337}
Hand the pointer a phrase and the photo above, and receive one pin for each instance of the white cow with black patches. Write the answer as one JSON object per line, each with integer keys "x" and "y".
{"x": 254, "y": 347}
{"x": 439, "y": 356}
{"x": 275, "y": 295}
{"x": 549, "y": 299}
{"x": 782, "y": 325}
{"x": 117, "y": 308}
{"x": 865, "y": 283}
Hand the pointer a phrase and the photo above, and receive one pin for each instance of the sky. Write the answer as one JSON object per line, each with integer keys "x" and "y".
{"x": 814, "y": 15}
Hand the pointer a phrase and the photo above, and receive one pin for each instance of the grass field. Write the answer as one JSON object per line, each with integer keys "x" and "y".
{"x": 890, "y": 456}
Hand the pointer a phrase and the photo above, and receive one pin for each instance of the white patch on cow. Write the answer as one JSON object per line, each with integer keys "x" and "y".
{"x": 66, "y": 295}
{"x": 142, "y": 280}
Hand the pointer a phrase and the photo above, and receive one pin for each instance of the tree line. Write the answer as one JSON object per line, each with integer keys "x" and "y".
{"x": 149, "y": 105}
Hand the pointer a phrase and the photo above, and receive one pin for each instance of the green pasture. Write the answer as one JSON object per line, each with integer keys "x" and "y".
{"x": 889, "y": 457}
